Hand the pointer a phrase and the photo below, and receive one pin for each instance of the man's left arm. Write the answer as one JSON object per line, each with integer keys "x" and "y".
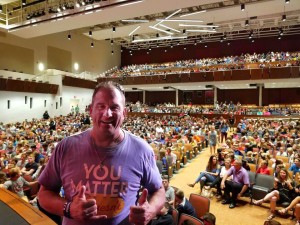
{"x": 244, "y": 189}
{"x": 147, "y": 208}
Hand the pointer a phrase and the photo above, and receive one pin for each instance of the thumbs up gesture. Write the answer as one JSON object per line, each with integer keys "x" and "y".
{"x": 144, "y": 212}
{"x": 82, "y": 208}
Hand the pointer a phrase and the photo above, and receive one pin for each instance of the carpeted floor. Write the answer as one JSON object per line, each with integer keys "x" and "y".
{"x": 244, "y": 214}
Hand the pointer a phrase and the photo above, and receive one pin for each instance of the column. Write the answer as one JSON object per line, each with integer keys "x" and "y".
{"x": 176, "y": 92}
{"x": 215, "y": 94}
{"x": 144, "y": 96}
{"x": 260, "y": 86}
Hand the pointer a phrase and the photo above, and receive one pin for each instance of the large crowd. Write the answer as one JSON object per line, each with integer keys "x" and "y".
{"x": 26, "y": 146}
{"x": 270, "y": 59}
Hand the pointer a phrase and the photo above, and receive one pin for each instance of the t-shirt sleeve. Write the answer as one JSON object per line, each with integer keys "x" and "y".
{"x": 50, "y": 177}
{"x": 151, "y": 176}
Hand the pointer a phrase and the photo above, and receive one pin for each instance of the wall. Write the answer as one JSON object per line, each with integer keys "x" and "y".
{"x": 95, "y": 60}
{"x": 20, "y": 111}
{"x": 217, "y": 49}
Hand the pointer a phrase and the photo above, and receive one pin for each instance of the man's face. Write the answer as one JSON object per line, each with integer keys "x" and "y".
{"x": 237, "y": 166}
{"x": 108, "y": 111}
{"x": 165, "y": 184}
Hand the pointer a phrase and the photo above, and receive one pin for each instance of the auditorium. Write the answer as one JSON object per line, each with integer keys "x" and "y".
{"x": 211, "y": 87}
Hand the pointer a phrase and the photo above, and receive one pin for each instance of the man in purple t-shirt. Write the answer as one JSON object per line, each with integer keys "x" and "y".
{"x": 237, "y": 186}
{"x": 102, "y": 170}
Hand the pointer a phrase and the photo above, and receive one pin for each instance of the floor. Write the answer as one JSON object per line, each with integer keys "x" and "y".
{"x": 244, "y": 214}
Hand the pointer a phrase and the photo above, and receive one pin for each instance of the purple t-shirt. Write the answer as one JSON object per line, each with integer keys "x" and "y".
{"x": 76, "y": 162}
{"x": 240, "y": 176}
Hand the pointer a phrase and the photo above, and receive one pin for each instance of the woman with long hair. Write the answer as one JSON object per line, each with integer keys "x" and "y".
{"x": 210, "y": 174}
{"x": 283, "y": 192}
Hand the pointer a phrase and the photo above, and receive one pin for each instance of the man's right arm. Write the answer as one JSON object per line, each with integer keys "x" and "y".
{"x": 51, "y": 201}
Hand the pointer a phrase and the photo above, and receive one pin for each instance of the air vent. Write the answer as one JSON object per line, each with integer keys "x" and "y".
{"x": 209, "y": 86}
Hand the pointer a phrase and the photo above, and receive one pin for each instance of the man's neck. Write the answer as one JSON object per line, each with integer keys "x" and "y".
{"x": 107, "y": 142}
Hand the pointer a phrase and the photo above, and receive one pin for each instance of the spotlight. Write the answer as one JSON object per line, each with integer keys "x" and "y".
{"x": 1, "y": 8}
{"x": 279, "y": 37}
{"x": 243, "y": 7}
{"x": 287, "y": 1}
{"x": 92, "y": 45}
{"x": 69, "y": 36}
{"x": 23, "y": 2}
{"x": 114, "y": 29}
{"x": 83, "y": 3}
{"x": 77, "y": 4}
{"x": 184, "y": 31}
{"x": 221, "y": 40}
{"x": 252, "y": 40}
{"x": 281, "y": 31}
{"x": 251, "y": 34}
{"x": 112, "y": 52}
{"x": 90, "y": 33}
{"x": 247, "y": 23}
{"x": 111, "y": 41}
{"x": 283, "y": 17}
{"x": 195, "y": 43}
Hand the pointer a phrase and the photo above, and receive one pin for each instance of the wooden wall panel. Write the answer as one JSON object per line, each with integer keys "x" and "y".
{"x": 15, "y": 85}
{"x": 240, "y": 75}
{"x": 295, "y": 72}
{"x": 277, "y": 73}
{"x": 2, "y": 84}
{"x": 219, "y": 76}
{"x": 256, "y": 74}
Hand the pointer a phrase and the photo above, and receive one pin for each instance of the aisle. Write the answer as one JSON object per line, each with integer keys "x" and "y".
{"x": 244, "y": 214}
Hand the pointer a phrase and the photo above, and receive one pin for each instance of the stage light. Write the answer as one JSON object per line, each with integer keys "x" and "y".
{"x": 90, "y": 33}
{"x": 287, "y": 1}
{"x": 114, "y": 29}
{"x": 283, "y": 17}
{"x": 23, "y": 2}
{"x": 1, "y": 8}
{"x": 243, "y": 7}
{"x": 69, "y": 36}
{"x": 92, "y": 45}
{"x": 247, "y": 23}
{"x": 111, "y": 41}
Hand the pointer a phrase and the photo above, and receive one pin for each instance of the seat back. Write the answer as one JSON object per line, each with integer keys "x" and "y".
{"x": 252, "y": 176}
{"x": 159, "y": 165}
{"x": 175, "y": 216}
{"x": 201, "y": 204}
{"x": 194, "y": 220}
{"x": 169, "y": 160}
{"x": 252, "y": 167}
{"x": 265, "y": 181}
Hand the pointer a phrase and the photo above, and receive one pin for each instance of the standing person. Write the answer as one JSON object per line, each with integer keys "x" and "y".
{"x": 223, "y": 131}
{"x": 212, "y": 138}
{"x": 237, "y": 186}
{"x": 46, "y": 115}
{"x": 102, "y": 169}
{"x": 77, "y": 109}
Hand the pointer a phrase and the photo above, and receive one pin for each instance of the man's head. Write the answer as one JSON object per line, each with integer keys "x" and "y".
{"x": 179, "y": 196}
{"x": 108, "y": 108}
{"x": 165, "y": 183}
{"x": 237, "y": 164}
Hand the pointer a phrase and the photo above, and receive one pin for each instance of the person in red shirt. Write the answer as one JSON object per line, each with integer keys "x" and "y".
{"x": 263, "y": 169}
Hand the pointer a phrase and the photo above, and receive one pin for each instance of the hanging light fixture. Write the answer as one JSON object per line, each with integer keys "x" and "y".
{"x": 246, "y": 23}
{"x": 92, "y": 44}
{"x": 287, "y": 1}
{"x": 114, "y": 29}
{"x": 243, "y": 7}
{"x": 90, "y": 33}
{"x": 1, "y": 8}
{"x": 69, "y": 36}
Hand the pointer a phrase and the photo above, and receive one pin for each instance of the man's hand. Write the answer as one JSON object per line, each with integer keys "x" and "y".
{"x": 82, "y": 208}
{"x": 144, "y": 212}
{"x": 222, "y": 185}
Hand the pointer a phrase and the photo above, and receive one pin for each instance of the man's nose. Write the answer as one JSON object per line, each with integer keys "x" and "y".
{"x": 108, "y": 112}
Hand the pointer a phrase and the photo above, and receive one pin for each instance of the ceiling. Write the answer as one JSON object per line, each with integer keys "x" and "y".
{"x": 100, "y": 16}
{"x": 264, "y": 19}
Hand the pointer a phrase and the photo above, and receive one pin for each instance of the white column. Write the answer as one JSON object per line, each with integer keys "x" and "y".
{"x": 260, "y": 86}
{"x": 144, "y": 96}
{"x": 215, "y": 94}
{"x": 176, "y": 91}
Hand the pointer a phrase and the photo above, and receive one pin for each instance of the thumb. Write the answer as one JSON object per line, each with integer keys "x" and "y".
{"x": 81, "y": 193}
{"x": 143, "y": 197}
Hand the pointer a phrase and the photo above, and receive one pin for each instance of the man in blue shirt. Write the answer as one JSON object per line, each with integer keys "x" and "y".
{"x": 295, "y": 167}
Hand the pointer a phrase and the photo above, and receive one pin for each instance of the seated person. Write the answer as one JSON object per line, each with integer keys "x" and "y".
{"x": 183, "y": 205}
{"x": 31, "y": 167}
{"x": 210, "y": 174}
{"x": 296, "y": 166}
{"x": 169, "y": 192}
{"x": 164, "y": 218}
{"x": 283, "y": 192}
{"x": 263, "y": 169}
{"x": 16, "y": 182}
{"x": 208, "y": 219}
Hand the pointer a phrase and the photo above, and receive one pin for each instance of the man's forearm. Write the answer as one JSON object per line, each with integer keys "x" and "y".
{"x": 244, "y": 189}
{"x": 157, "y": 199}
{"x": 51, "y": 201}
